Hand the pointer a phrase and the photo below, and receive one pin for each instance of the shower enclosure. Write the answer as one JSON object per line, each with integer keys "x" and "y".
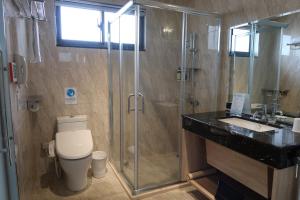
{"x": 170, "y": 68}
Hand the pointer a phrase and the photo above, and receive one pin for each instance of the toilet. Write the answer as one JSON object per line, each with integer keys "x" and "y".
{"x": 74, "y": 146}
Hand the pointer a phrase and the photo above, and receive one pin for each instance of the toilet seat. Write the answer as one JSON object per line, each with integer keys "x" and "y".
{"x": 74, "y": 144}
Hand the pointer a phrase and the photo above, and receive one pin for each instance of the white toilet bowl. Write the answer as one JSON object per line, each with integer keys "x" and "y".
{"x": 74, "y": 150}
{"x": 76, "y": 172}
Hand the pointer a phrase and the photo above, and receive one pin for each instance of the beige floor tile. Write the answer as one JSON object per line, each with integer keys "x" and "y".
{"x": 107, "y": 188}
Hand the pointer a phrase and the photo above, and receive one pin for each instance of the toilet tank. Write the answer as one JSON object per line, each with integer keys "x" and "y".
{"x": 71, "y": 123}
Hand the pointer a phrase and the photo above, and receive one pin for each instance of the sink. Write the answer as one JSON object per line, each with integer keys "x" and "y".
{"x": 248, "y": 124}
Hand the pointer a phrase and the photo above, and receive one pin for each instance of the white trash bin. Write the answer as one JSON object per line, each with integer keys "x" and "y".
{"x": 99, "y": 164}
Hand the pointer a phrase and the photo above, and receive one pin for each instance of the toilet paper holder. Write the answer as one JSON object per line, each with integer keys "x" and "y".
{"x": 33, "y": 103}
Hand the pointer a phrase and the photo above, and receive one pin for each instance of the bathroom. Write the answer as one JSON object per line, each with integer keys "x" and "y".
{"x": 145, "y": 107}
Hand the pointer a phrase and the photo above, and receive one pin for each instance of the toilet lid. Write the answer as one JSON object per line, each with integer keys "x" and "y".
{"x": 74, "y": 144}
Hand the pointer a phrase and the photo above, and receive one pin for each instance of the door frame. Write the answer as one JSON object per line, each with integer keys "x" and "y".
{"x": 6, "y": 115}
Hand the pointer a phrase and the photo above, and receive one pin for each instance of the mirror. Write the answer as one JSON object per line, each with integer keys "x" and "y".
{"x": 265, "y": 62}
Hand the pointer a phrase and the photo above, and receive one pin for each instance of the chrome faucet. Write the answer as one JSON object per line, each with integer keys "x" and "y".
{"x": 261, "y": 114}
{"x": 275, "y": 108}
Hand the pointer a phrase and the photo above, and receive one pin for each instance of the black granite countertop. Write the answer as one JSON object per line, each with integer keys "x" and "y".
{"x": 277, "y": 148}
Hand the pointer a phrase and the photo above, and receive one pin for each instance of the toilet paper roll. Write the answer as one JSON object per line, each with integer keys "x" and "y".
{"x": 296, "y": 125}
{"x": 34, "y": 107}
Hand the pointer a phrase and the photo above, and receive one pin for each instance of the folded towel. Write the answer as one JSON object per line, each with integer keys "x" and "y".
{"x": 23, "y": 7}
{"x": 33, "y": 11}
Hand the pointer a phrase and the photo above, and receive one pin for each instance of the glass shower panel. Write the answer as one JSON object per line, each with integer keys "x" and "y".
{"x": 158, "y": 159}
{"x": 115, "y": 109}
{"x": 122, "y": 96}
{"x": 202, "y": 61}
{"x": 127, "y": 85}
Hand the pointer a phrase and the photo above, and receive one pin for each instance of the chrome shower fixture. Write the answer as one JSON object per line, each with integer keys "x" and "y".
{"x": 31, "y": 9}
{"x": 192, "y": 42}
{"x": 37, "y": 10}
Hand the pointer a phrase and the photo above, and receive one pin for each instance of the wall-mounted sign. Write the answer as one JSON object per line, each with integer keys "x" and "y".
{"x": 70, "y": 95}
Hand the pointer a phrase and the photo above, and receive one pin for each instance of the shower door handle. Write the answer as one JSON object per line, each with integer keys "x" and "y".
{"x": 128, "y": 103}
{"x": 143, "y": 102}
{"x": 129, "y": 109}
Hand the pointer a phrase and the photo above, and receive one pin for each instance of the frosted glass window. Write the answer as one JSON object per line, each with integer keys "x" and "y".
{"x": 80, "y": 24}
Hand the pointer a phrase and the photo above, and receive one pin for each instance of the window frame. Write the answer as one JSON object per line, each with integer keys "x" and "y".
{"x": 102, "y": 44}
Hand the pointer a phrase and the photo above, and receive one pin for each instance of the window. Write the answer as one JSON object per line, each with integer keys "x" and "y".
{"x": 240, "y": 42}
{"x": 127, "y": 26}
{"x": 80, "y": 25}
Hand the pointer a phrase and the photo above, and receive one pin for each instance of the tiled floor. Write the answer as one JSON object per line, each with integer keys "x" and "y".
{"x": 107, "y": 188}
{"x": 160, "y": 168}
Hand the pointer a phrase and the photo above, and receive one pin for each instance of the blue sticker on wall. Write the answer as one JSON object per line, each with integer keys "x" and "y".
{"x": 70, "y": 95}
{"x": 70, "y": 92}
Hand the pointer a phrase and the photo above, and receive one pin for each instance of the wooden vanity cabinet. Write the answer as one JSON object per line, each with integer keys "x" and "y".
{"x": 199, "y": 154}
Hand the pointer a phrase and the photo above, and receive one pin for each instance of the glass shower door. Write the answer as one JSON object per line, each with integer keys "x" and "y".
{"x": 158, "y": 116}
{"x": 127, "y": 114}
{"x": 122, "y": 99}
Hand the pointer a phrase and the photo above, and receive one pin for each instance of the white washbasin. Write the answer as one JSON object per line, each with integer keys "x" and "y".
{"x": 248, "y": 124}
